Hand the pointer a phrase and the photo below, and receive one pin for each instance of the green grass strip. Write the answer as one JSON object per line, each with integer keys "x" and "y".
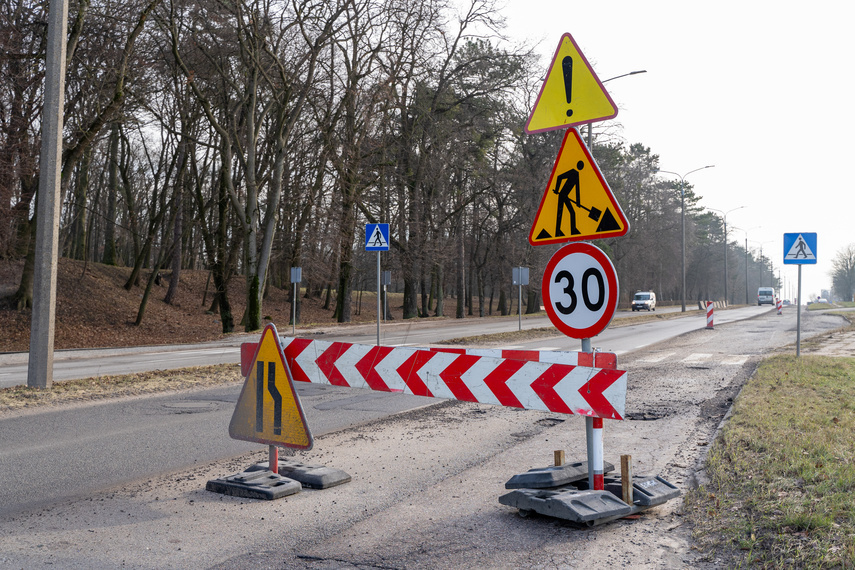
{"x": 782, "y": 472}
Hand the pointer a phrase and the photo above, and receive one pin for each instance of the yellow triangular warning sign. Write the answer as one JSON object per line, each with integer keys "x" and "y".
{"x": 571, "y": 95}
{"x": 268, "y": 410}
{"x": 577, "y": 203}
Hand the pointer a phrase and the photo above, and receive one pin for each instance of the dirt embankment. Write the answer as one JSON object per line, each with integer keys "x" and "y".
{"x": 94, "y": 310}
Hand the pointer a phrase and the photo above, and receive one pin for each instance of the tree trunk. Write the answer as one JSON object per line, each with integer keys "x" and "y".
{"x": 109, "y": 257}
{"x": 328, "y": 298}
{"x": 77, "y": 247}
{"x": 23, "y": 297}
{"x": 503, "y": 303}
{"x": 533, "y": 301}
{"x": 440, "y": 292}
{"x": 177, "y": 226}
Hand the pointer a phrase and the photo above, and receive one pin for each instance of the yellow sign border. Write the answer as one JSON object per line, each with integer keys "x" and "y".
{"x": 249, "y": 414}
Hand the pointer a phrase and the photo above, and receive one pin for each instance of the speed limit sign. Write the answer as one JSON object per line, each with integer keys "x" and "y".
{"x": 580, "y": 290}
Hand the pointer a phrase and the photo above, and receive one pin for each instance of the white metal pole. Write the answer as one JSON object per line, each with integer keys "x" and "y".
{"x": 589, "y": 430}
{"x": 294, "y": 312}
{"x": 799, "y": 316}
{"x": 378, "y": 298}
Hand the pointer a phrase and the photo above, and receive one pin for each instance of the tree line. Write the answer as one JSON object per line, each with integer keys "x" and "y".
{"x": 247, "y": 137}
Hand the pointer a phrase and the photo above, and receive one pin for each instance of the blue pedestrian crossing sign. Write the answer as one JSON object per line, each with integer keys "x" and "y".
{"x": 376, "y": 237}
{"x": 800, "y": 248}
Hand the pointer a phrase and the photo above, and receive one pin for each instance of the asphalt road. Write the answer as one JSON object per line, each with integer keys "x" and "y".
{"x": 90, "y": 447}
{"x": 71, "y": 364}
{"x": 425, "y": 482}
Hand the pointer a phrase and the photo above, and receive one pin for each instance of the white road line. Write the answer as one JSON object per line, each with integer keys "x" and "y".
{"x": 696, "y": 358}
{"x": 734, "y": 360}
{"x": 656, "y": 357}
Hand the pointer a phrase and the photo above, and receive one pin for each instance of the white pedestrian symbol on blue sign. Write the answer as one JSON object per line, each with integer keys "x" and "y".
{"x": 377, "y": 237}
{"x": 799, "y": 248}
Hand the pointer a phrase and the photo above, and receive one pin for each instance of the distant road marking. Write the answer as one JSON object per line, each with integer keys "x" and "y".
{"x": 656, "y": 357}
{"x": 697, "y": 358}
{"x": 549, "y": 348}
{"x": 512, "y": 347}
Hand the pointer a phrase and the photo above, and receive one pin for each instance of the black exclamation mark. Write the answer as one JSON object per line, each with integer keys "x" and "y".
{"x": 567, "y": 69}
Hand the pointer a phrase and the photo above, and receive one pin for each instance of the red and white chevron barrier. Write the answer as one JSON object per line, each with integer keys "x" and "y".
{"x": 589, "y": 359}
{"x": 533, "y": 385}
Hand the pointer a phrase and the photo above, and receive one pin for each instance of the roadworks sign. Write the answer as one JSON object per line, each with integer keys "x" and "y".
{"x": 268, "y": 410}
{"x": 571, "y": 94}
{"x": 577, "y": 204}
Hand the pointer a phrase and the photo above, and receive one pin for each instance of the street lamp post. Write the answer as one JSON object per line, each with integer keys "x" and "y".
{"x": 746, "y": 258}
{"x": 763, "y": 264}
{"x": 590, "y": 136}
{"x": 724, "y": 217}
{"x": 683, "y": 227}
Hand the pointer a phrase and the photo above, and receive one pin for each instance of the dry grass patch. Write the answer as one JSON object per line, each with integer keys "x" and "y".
{"x": 102, "y": 387}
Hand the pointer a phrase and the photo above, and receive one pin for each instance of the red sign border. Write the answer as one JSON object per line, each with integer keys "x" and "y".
{"x": 611, "y": 276}
{"x": 543, "y": 87}
{"x": 605, "y": 186}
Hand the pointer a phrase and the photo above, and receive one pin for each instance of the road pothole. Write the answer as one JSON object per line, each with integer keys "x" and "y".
{"x": 191, "y": 406}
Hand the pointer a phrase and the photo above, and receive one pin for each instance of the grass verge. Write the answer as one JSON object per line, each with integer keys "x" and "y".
{"x": 781, "y": 491}
{"x": 103, "y": 387}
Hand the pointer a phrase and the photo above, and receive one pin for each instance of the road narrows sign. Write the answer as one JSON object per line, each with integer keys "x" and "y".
{"x": 580, "y": 290}
{"x": 571, "y": 94}
{"x": 268, "y": 410}
{"x": 577, "y": 203}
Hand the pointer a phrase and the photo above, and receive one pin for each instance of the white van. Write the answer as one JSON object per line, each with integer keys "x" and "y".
{"x": 765, "y": 295}
{"x": 644, "y": 300}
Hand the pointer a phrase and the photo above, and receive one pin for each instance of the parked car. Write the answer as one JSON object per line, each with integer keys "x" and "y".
{"x": 644, "y": 300}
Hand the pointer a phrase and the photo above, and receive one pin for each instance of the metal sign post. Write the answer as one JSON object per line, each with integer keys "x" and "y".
{"x": 387, "y": 279}
{"x": 377, "y": 239}
{"x": 296, "y": 278}
{"x": 799, "y": 317}
{"x": 799, "y": 249}
{"x": 520, "y": 277}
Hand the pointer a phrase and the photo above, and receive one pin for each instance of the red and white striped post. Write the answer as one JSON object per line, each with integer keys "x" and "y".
{"x": 780, "y": 305}
{"x": 710, "y": 315}
{"x": 594, "y": 439}
{"x": 597, "y": 454}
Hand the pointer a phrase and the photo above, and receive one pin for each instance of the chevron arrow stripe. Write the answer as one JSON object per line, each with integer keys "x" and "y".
{"x": 527, "y": 383}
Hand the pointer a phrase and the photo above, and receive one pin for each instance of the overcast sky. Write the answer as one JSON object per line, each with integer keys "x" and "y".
{"x": 762, "y": 90}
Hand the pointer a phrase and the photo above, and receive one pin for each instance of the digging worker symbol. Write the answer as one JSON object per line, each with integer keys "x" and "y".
{"x": 570, "y": 181}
